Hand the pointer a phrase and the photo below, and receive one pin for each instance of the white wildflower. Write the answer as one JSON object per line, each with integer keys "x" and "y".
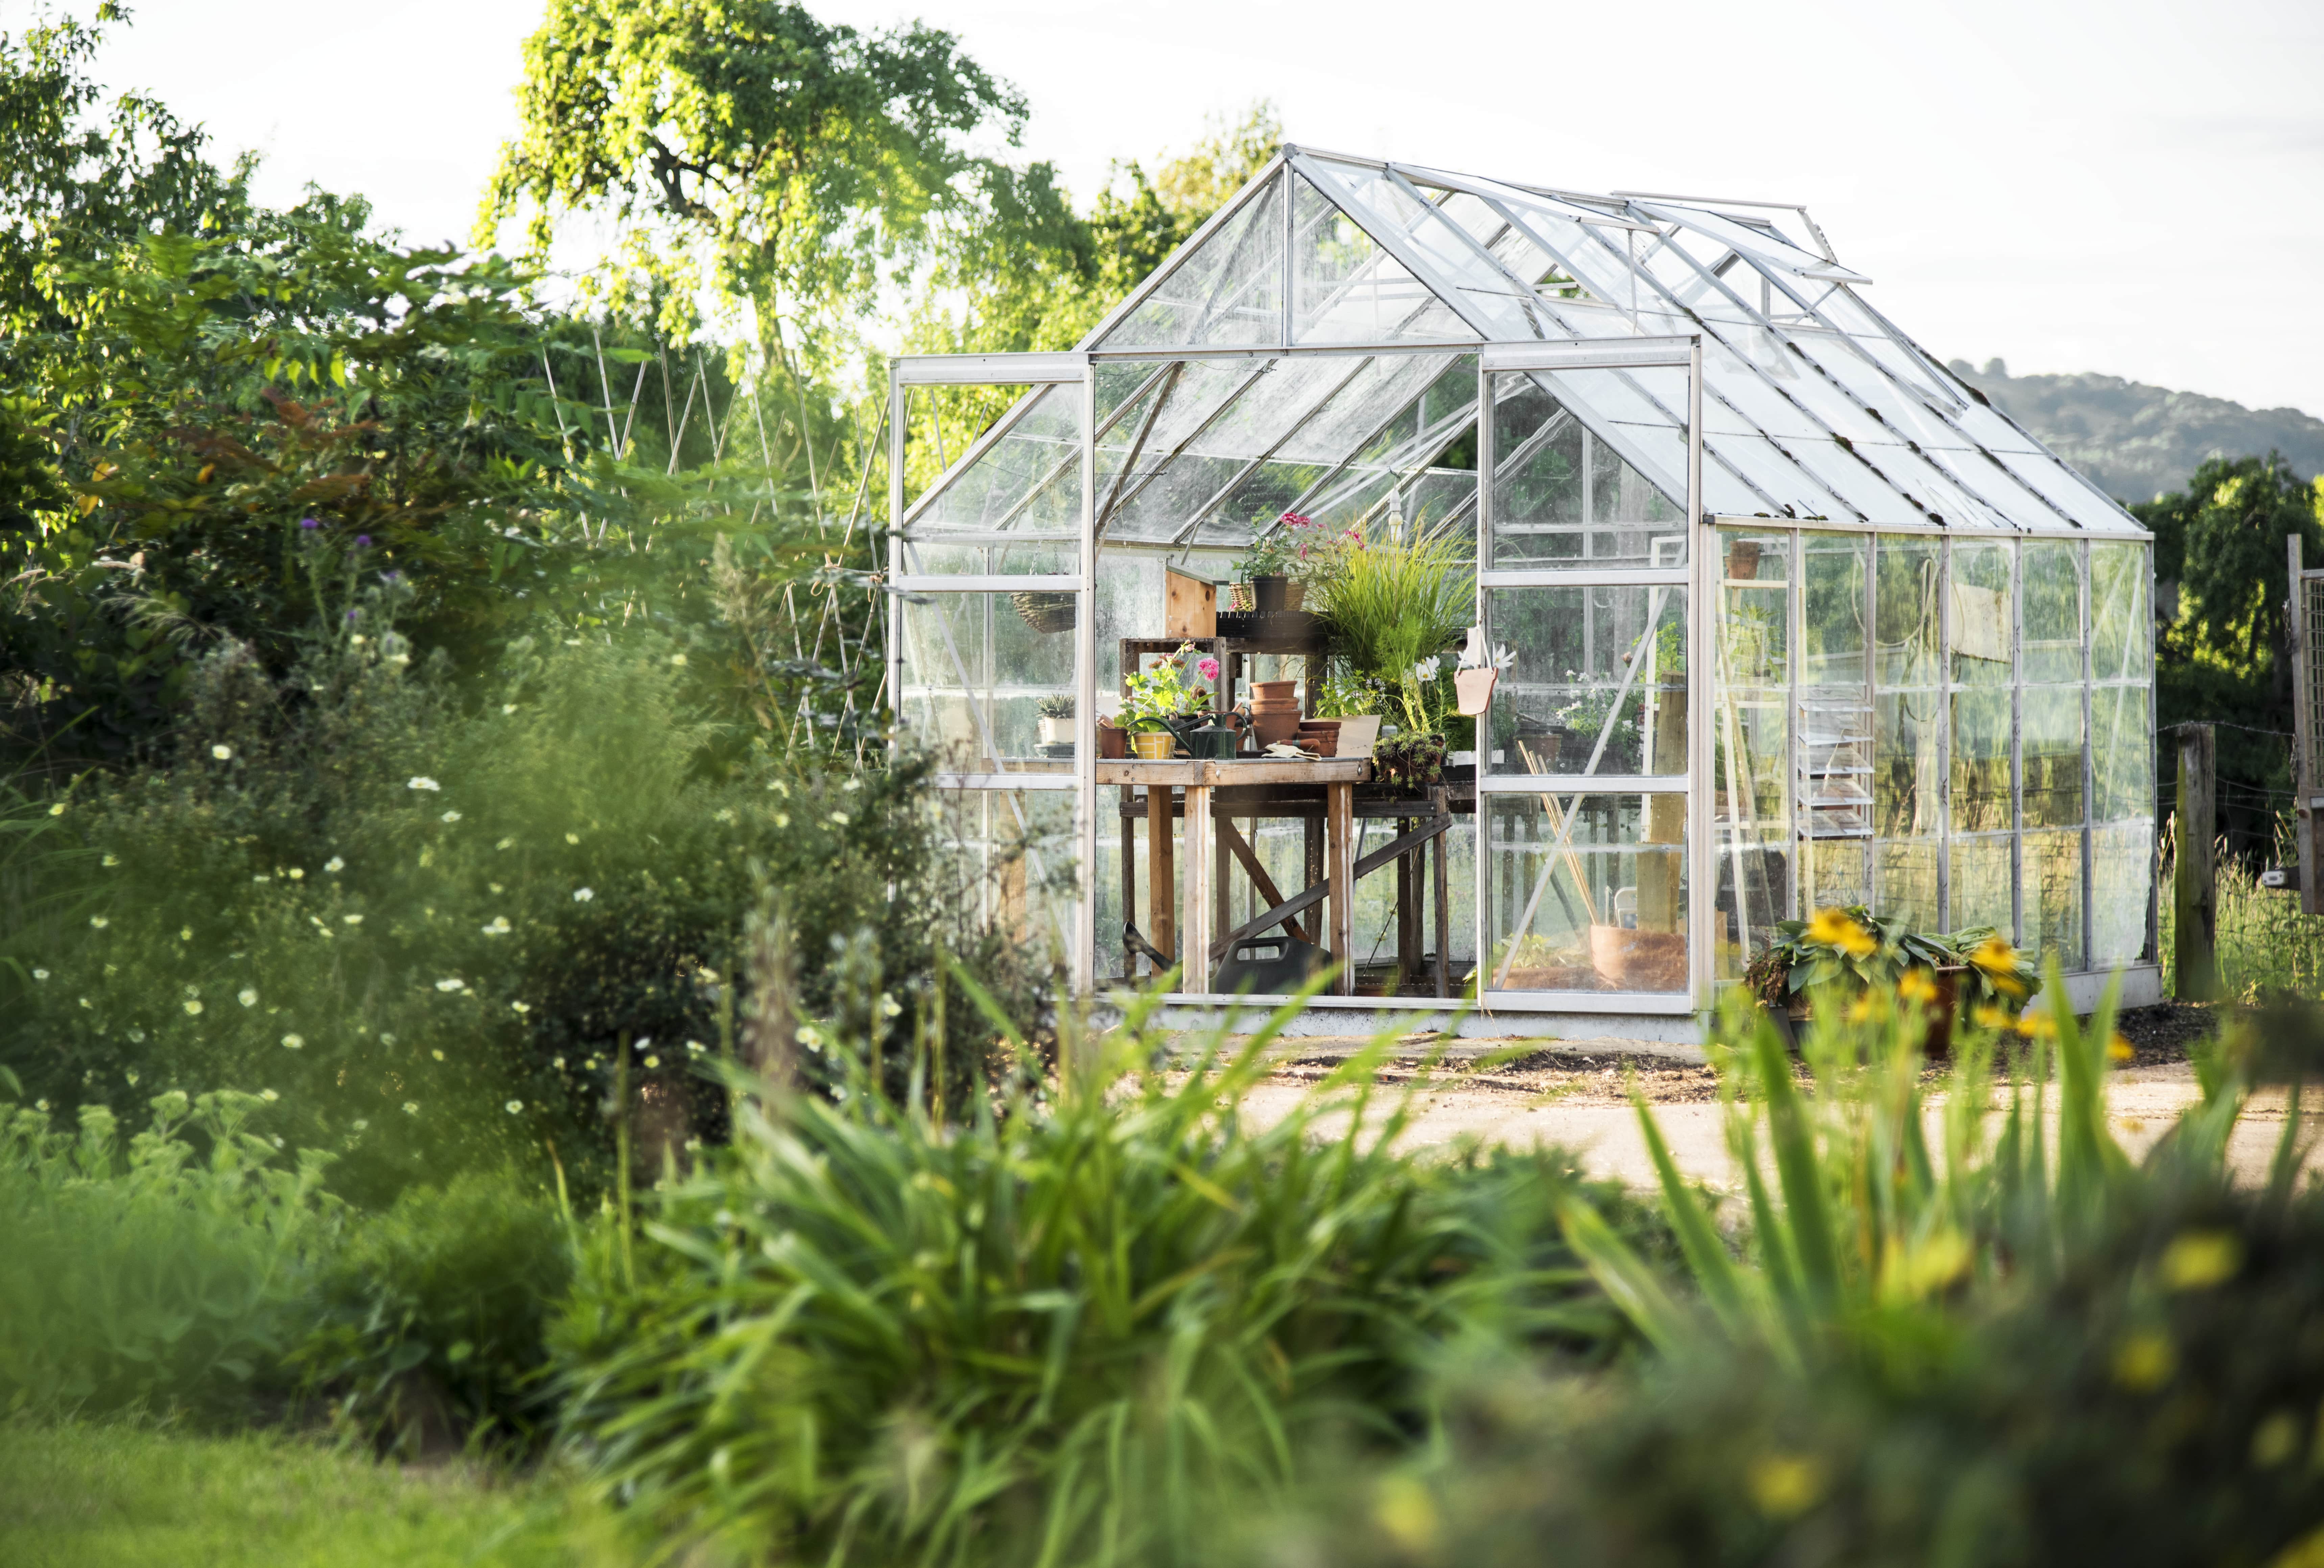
{"x": 508, "y": 707}
{"x": 335, "y": 866}
{"x": 40, "y": 975}
{"x": 193, "y": 1007}
{"x": 222, "y": 753}
{"x": 291, "y": 1042}
{"x": 451, "y": 816}
{"x": 520, "y": 1008}
{"x": 411, "y": 1107}
{"x": 678, "y": 658}
{"x": 840, "y": 817}
{"x": 437, "y": 1055}
{"x": 557, "y": 1063}
{"x": 1426, "y": 670}
{"x": 421, "y": 781}
{"x": 514, "y": 1106}
{"x": 352, "y": 919}
{"x": 294, "y": 873}
{"x": 573, "y": 838}
{"x": 505, "y": 843}
{"x": 499, "y": 927}
{"x": 58, "y": 809}
{"x": 111, "y": 860}
{"x": 248, "y": 997}
{"x": 583, "y": 895}
{"x": 455, "y": 983}
{"x": 270, "y": 1096}
{"x": 99, "y": 922}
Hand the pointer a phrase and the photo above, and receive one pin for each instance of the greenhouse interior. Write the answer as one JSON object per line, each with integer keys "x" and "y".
{"x": 1467, "y": 588}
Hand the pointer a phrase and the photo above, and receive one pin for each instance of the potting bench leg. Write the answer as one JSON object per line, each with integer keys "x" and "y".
{"x": 1162, "y": 914}
{"x": 1128, "y": 892}
{"x": 1340, "y": 804}
{"x": 1443, "y": 903}
{"x": 1195, "y": 952}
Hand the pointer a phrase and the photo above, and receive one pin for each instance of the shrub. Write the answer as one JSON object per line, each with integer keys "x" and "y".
{"x": 886, "y": 1334}
{"x": 158, "y": 1272}
{"x": 429, "y": 1322}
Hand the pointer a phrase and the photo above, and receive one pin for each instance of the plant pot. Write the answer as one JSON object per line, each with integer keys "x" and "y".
{"x": 1154, "y": 745}
{"x": 1270, "y": 593}
{"x": 1274, "y": 724}
{"x": 1475, "y": 688}
{"x": 1295, "y": 597}
{"x": 1056, "y": 731}
{"x": 1743, "y": 559}
{"x": 1632, "y": 960}
{"x": 1112, "y": 744}
{"x": 1273, "y": 691}
{"x": 1322, "y": 735}
{"x": 1047, "y": 614}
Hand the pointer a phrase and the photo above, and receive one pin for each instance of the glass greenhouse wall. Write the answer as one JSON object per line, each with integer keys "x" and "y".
{"x": 1796, "y": 618}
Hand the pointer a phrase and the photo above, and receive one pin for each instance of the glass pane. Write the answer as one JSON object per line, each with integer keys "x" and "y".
{"x": 1905, "y": 614}
{"x": 2050, "y": 755}
{"x": 1838, "y": 871}
{"x": 1978, "y": 618}
{"x": 1761, "y": 860}
{"x": 1755, "y": 609}
{"x": 977, "y": 670}
{"x": 1010, "y": 856}
{"x": 1230, "y": 290}
{"x": 1904, "y": 793}
{"x": 1907, "y": 871}
{"x": 1029, "y": 481}
{"x": 2122, "y": 860}
{"x": 1981, "y": 792}
{"x": 1600, "y": 682}
{"x": 1832, "y": 610}
{"x": 1586, "y": 892}
{"x": 1041, "y": 555}
{"x": 1345, "y": 289}
{"x": 2051, "y": 871}
{"x": 2052, "y": 611}
{"x": 1981, "y": 883}
{"x": 1564, "y": 494}
{"x": 2122, "y": 754}
{"x": 2122, "y": 628}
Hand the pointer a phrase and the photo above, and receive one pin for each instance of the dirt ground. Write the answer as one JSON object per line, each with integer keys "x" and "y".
{"x": 1531, "y": 1093}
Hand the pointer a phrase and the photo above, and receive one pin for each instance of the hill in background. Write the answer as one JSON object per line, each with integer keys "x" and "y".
{"x": 2136, "y": 440}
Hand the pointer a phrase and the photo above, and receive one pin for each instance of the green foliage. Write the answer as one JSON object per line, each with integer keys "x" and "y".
{"x": 429, "y": 1322}
{"x": 166, "y": 1271}
{"x": 750, "y": 153}
{"x": 886, "y": 1332}
{"x": 1153, "y": 698}
{"x": 84, "y": 1495}
{"x": 1851, "y": 949}
{"x": 448, "y": 913}
{"x": 1389, "y": 605}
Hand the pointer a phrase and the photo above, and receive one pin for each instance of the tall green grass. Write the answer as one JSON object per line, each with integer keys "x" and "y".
{"x": 1052, "y": 1328}
{"x": 2266, "y": 947}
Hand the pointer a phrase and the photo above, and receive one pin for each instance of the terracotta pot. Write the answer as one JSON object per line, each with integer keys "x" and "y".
{"x": 1154, "y": 745}
{"x": 1322, "y": 739}
{"x": 1743, "y": 559}
{"x": 1112, "y": 744}
{"x": 1273, "y": 726}
{"x": 1268, "y": 691}
{"x": 1295, "y": 597}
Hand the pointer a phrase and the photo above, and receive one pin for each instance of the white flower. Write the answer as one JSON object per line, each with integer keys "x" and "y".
{"x": 387, "y": 1039}
{"x": 496, "y": 888}
{"x": 451, "y": 816}
{"x": 505, "y": 843}
{"x": 363, "y": 1124}
{"x": 193, "y": 1007}
{"x": 678, "y": 658}
{"x": 514, "y": 1106}
{"x": 583, "y": 895}
{"x": 695, "y": 1048}
{"x": 99, "y": 922}
{"x": 1426, "y": 670}
{"x": 87, "y": 1004}
{"x": 573, "y": 838}
{"x": 40, "y": 975}
{"x": 499, "y": 927}
{"x": 111, "y": 860}
{"x": 261, "y": 877}
{"x": 840, "y": 817}
{"x": 1503, "y": 657}
{"x": 508, "y": 707}
{"x": 782, "y": 819}
{"x": 269, "y": 1095}
{"x": 222, "y": 753}
{"x": 248, "y": 997}
{"x": 335, "y": 866}
{"x": 58, "y": 809}
{"x": 421, "y": 781}
{"x": 455, "y": 983}
{"x": 520, "y": 1008}
{"x": 294, "y": 873}
{"x": 437, "y": 1055}
{"x": 411, "y": 1107}
{"x": 557, "y": 1063}
{"x": 292, "y": 1042}
{"x": 352, "y": 919}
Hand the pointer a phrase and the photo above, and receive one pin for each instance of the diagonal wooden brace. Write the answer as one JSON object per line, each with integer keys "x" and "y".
{"x": 1233, "y": 839}
{"x": 1401, "y": 845}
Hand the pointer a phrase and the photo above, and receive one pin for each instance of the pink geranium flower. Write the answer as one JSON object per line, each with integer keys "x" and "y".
{"x": 1209, "y": 668}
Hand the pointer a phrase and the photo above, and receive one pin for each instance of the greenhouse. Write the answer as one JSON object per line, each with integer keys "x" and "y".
{"x": 1772, "y": 613}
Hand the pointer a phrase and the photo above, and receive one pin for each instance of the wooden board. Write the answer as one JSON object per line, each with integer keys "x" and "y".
{"x": 1190, "y": 605}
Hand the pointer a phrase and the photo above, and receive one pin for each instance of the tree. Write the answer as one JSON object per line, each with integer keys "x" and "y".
{"x": 2221, "y": 658}
{"x": 755, "y": 161}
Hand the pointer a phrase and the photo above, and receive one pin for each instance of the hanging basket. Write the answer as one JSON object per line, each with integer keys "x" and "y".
{"x": 1044, "y": 612}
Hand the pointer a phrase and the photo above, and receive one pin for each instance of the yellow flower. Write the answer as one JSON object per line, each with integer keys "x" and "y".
{"x": 1785, "y": 1486}
{"x": 1999, "y": 960}
{"x": 2198, "y": 1259}
{"x": 1995, "y": 1018}
{"x": 1916, "y": 986}
{"x": 2120, "y": 1049}
{"x": 1860, "y": 1011}
{"x": 2038, "y": 1026}
{"x": 1836, "y": 929}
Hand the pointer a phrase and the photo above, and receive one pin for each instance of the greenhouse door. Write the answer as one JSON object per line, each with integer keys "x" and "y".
{"x": 1588, "y": 896}
{"x": 990, "y": 631}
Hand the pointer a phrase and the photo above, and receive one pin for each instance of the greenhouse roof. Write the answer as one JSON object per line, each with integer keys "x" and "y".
{"x": 1814, "y": 407}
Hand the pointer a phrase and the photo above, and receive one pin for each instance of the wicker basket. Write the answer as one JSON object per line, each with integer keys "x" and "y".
{"x": 1044, "y": 612}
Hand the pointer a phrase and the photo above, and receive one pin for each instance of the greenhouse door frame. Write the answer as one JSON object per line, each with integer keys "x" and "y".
{"x": 1034, "y": 370}
{"x": 1698, "y": 576}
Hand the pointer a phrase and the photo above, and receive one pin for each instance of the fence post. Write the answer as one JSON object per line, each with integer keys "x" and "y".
{"x": 2195, "y": 889}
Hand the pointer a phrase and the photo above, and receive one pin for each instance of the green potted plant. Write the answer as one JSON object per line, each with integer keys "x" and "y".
{"x": 1271, "y": 565}
{"x": 1057, "y": 716}
{"x": 1161, "y": 703}
{"x": 1392, "y": 610}
{"x": 1852, "y": 952}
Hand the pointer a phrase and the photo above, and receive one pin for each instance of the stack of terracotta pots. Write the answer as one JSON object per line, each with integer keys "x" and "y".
{"x": 1274, "y": 711}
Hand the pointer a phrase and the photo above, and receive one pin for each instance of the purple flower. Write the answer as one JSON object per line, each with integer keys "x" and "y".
{"x": 309, "y": 522}
{"x": 362, "y": 541}
{"x": 351, "y": 615}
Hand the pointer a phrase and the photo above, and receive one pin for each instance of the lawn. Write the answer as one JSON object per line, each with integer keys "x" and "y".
{"x": 91, "y": 1496}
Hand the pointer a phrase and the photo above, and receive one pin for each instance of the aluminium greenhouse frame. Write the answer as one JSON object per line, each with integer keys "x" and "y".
{"x": 1136, "y": 446}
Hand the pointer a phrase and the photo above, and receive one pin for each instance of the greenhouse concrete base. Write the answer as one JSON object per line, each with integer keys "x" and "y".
{"x": 2142, "y": 986}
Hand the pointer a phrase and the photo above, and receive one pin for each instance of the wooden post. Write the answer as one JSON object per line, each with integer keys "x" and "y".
{"x": 1161, "y": 876}
{"x": 1339, "y": 836}
{"x": 2195, "y": 898}
{"x": 2304, "y": 737}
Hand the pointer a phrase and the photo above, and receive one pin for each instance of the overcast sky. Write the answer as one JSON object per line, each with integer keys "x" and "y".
{"x": 2134, "y": 188}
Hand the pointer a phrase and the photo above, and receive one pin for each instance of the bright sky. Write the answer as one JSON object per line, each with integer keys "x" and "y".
{"x": 2130, "y": 187}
